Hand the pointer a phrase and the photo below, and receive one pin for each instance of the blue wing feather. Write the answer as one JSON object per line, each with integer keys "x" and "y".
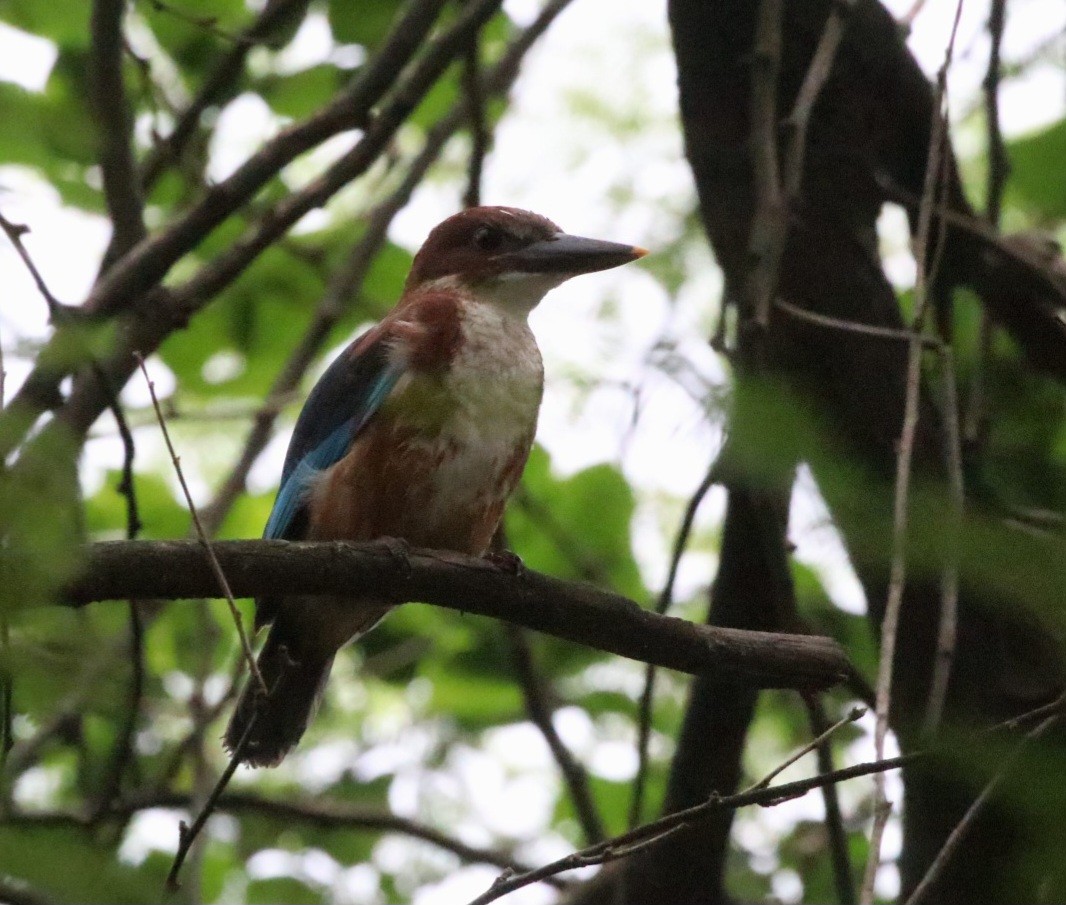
{"x": 342, "y": 402}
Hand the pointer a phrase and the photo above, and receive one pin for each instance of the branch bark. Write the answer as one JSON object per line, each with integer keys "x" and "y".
{"x": 868, "y": 142}
{"x": 122, "y": 190}
{"x": 569, "y": 610}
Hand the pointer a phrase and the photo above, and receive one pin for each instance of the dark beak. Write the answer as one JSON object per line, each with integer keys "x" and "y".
{"x": 572, "y": 255}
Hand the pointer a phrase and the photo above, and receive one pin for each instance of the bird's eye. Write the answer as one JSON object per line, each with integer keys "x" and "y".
{"x": 489, "y": 239}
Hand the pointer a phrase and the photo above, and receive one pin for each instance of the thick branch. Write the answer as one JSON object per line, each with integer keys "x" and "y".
{"x": 569, "y": 610}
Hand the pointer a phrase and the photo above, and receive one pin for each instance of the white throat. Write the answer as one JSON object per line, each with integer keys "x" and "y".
{"x": 513, "y": 293}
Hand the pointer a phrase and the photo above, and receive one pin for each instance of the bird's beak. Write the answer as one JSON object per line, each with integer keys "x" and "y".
{"x": 571, "y": 255}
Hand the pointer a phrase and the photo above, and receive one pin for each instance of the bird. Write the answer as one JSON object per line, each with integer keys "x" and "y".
{"x": 417, "y": 433}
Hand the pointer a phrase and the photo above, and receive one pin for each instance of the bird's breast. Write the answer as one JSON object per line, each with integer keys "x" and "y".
{"x": 437, "y": 464}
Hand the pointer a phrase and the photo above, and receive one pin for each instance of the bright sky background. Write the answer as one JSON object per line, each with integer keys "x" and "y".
{"x": 617, "y": 53}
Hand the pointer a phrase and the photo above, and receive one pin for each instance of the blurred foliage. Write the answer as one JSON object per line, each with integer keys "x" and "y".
{"x": 1033, "y": 157}
{"x": 426, "y": 694}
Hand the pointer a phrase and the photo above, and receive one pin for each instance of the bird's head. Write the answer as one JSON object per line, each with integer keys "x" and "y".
{"x": 509, "y": 257}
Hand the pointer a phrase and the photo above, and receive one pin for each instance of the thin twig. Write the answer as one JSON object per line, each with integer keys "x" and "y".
{"x": 112, "y": 781}
{"x": 769, "y": 222}
{"x": 814, "y": 80}
{"x": 666, "y": 596}
{"x": 998, "y": 159}
{"x": 187, "y": 834}
{"x": 216, "y": 86}
{"x": 15, "y": 232}
{"x": 779, "y": 184}
{"x": 642, "y": 837}
{"x": 316, "y": 813}
{"x": 908, "y": 432}
{"x": 839, "y": 850}
{"x": 207, "y": 23}
{"x": 852, "y": 715}
{"x": 216, "y": 568}
{"x": 479, "y": 133}
{"x": 1058, "y": 706}
{"x": 836, "y": 323}
{"x": 996, "y": 181}
{"x": 907, "y": 19}
{"x": 126, "y": 485}
{"x": 947, "y": 627}
{"x": 954, "y": 840}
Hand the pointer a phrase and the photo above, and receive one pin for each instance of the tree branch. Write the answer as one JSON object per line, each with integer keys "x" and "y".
{"x": 218, "y": 85}
{"x": 645, "y": 836}
{"x": 350, "y": 109}
{"x": 172, "y": 308}
{"x": 954, "y": 840}
{"x": 569, "y": 610}
{"x": 927, "y": 259}
{"x": 539, "y": 709}
{"x": 144, "y": 266}
{"x": 122, "y": 189}
{"x": 317, "y": 813}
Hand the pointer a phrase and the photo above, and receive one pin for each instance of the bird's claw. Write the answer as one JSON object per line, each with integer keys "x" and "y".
{"x": 506, "y": 561}
{"x": 398, "y": 550}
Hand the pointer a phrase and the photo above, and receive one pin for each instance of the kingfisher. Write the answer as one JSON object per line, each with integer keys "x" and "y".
{"x": 418, "y": 432}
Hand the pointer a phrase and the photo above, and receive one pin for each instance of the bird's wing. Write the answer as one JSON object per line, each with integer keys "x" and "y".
{"x": 342, "y": 402}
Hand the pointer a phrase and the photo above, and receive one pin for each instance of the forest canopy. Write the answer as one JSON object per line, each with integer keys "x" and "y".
{"x": 799, "y": 484}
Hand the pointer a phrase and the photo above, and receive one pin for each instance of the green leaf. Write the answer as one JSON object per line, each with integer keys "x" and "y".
{"x": 361, "y": 23}
{"x": 301, "y": 93}
{"x": 65, "y": 23}
{"x": 39, "y": 521}
{"x": 576, "y": 527}
{"x": 282, "y": 889}
{"x": 475, "y": 703}
{"x": 196, "y": 32}
{"x": 53, "y": 131}
{"x": 1036, "y": 159}
{"x": 162, "y": 516}
{"x": 90, "y": 873}
{"x": 244, "y": 323}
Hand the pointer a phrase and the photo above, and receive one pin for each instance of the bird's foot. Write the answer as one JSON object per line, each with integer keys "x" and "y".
{"x": 398, "y": 550}
{"x": 506, "y": 561}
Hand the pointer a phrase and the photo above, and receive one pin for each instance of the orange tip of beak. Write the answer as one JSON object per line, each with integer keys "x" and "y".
{"x": 639, "y": 252}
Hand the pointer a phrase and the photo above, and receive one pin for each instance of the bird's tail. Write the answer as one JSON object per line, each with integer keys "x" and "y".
{"x": 295, "y": 679}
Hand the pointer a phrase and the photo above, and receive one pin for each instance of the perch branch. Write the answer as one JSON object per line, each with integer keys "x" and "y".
{"x": 570, "y": 610}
